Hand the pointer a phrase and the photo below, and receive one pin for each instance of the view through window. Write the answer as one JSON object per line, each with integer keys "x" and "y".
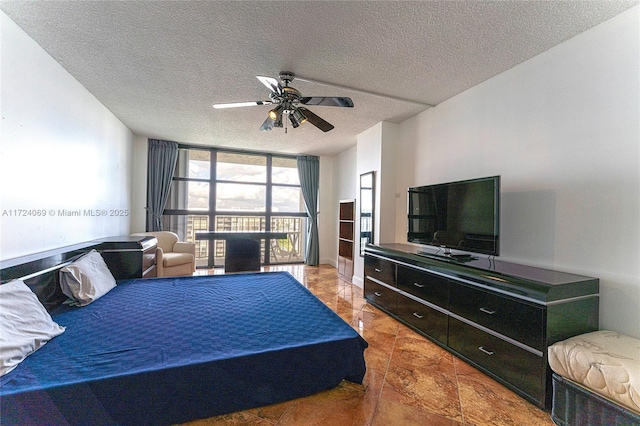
{"x": 228, "y": 191}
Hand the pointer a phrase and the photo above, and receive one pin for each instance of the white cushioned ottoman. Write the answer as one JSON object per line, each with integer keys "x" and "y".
{"x": 605, "y": 363}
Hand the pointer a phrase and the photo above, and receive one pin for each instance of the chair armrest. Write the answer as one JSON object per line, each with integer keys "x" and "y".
{"x": 159, "y": 262}
{"x": 184, "y": 247}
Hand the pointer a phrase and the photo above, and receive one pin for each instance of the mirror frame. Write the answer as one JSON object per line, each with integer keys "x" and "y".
{"x": 367, "y": 209}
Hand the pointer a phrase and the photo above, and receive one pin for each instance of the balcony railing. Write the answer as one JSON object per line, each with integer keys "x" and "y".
{"x": 288, "y": 250}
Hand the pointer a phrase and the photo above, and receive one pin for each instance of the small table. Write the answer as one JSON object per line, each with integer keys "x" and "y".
{"x": 243, "y": 248}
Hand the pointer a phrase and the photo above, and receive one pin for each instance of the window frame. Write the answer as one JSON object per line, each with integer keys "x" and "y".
{"x": 212, "y": 212}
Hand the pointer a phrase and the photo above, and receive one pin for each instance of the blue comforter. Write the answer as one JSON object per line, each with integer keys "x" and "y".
{"x": 167, "y": 350}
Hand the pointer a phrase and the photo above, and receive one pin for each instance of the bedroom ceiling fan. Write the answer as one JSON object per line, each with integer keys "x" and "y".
{"x": 289, "y": 104}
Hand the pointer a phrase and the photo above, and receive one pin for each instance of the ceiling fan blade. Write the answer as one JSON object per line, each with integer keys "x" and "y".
{"x": 267, "y": 125}
{"x": 321, "y": 124}
{"x": 271, "y": 83}
{"x": 241, "y": 104}
{"x": 339, "y": 102}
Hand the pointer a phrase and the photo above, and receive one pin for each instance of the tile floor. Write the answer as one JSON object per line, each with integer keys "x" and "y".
{"x": 409, "y": 380}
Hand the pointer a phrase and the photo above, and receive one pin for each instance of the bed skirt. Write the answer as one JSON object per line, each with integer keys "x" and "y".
{"x": 575, "y": 406}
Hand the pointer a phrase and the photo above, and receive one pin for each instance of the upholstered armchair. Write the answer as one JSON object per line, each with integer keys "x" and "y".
{"x": 173, "y": 258}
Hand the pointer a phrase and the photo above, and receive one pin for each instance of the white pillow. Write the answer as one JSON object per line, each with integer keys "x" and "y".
{"x": 87, "y": 279}
{"x": 25, "y": 325}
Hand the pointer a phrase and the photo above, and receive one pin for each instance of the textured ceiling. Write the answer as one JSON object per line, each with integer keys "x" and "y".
{"x": 159, "y": 66}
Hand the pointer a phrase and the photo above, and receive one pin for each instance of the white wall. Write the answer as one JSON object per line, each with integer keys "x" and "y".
{"x": 386, "y": 195}
{"x": 369, "y": 158}
{"x": 139, "y": 184}
{"x": 60, "y": 150}
{"x": 344, "y": 188}
{"x": 345, "y": 177}
{"x": 376, "y": 149}
{"x": 563, "y": 131}
{"x": 326, "y": 217}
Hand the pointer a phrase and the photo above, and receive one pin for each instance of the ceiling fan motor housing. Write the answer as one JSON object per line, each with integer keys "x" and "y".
{"x": 287, "y": 77}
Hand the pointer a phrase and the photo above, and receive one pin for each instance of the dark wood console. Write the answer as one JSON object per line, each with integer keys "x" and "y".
{"x": 129, "y": 256}
{"x": 498, "y": 316}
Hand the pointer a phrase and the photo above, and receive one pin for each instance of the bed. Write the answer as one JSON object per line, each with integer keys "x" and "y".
{"x": 168, "y": 350}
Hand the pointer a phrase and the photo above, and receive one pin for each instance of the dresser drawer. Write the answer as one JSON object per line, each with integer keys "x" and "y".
{"x": 513, "y": 318}
{"x": 380, "y": 269}
{"x": 424, "y": 318}
{"x": 426, "y": 286}
{"x": 380, "y": 295}
{"x": 517, "y": 366}
{"x": 148, "y": 258}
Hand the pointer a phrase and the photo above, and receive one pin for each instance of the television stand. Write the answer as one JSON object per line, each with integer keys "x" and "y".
{"x": 498, "y": 316}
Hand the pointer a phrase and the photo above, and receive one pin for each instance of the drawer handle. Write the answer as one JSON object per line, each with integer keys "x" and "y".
{"x": 417, "y": 315}
{"x": 377, "y": 270}
{"x": 419, "y": 285}
{"x": 377, "y": 293}
{"x": 488, "y": 352}
{"x": 487, "y": 311}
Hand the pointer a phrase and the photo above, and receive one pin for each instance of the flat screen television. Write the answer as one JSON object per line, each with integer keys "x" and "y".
{"x": 463, "y": 215}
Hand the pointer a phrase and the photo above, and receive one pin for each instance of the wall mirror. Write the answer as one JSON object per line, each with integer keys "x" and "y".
{"x": 367, "y": 213}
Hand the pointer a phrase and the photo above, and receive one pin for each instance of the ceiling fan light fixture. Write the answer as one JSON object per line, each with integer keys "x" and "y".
{"x": 294, "y": 121}
{"x": 299, "y": 116}
{"x": 276, "y": 112}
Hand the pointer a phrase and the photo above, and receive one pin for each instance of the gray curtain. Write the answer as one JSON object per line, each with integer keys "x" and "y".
{"x": 161, "y": 163}
{"x": 309, "y": 173}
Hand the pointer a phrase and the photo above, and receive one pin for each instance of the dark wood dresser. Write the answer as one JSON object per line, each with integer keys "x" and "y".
{"x": 498, "y": 316}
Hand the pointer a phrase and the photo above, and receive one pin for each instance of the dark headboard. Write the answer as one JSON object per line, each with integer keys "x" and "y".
{"x": 40, "y": 271}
